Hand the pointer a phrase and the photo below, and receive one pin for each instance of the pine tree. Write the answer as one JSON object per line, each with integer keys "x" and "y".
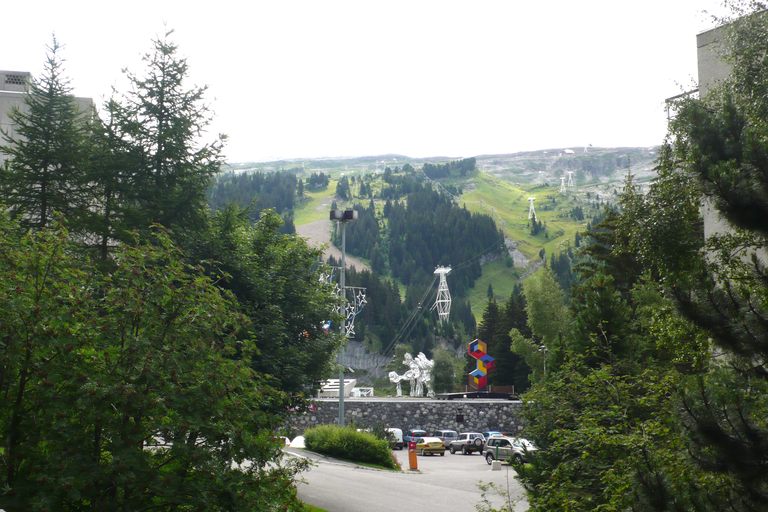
{"x": 160, "y": 120}
{"x": 46, "y": 172}
{"x": 720, "y": 141}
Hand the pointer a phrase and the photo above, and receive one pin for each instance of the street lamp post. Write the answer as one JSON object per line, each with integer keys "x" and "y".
{"x": 342, "y": 217}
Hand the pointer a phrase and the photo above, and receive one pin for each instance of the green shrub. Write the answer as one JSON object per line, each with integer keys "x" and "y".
{"x": 348, "y": 443}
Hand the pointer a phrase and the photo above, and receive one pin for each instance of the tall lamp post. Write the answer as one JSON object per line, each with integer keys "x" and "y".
{"x": 342, "y": 217}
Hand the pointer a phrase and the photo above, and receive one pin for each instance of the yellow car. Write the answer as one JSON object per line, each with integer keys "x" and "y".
{"x": 430, "y": 445}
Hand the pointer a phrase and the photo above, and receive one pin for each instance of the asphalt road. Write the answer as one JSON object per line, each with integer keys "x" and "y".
{"x": 444, "y": 484}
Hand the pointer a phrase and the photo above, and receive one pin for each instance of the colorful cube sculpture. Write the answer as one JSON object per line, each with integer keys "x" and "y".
{"x": 478, "y": 349}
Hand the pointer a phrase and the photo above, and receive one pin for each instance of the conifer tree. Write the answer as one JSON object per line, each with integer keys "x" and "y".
{"x": 161, "y": 120}
{"x": 46, "y": 169}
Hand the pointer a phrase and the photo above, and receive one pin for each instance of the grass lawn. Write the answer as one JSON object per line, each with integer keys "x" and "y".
{"x": 310, "y": 210}
{"x": 501, "y": 278}
{"x": 507, "y": 204}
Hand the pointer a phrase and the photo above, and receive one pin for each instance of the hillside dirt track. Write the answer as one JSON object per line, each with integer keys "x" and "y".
{"x": 318, "y": 233}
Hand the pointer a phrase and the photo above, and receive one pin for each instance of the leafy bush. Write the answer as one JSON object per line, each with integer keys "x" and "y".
{"x": 348, "y": 443}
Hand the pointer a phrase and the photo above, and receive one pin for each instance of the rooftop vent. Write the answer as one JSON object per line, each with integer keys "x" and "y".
{"x": 14, "y": 80}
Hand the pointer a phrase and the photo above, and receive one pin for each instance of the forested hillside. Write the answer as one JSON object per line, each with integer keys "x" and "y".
{"x": 255, "y": 192}
{"x": 412, "y": 219}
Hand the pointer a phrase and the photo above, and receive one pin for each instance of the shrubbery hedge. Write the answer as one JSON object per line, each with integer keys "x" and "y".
{"x": 348, "y": 443}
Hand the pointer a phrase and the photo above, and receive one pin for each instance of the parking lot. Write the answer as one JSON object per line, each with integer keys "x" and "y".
{"x": 446, "y": 483}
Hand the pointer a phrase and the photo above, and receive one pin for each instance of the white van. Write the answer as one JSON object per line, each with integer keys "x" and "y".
{"x": 396, "y": 438}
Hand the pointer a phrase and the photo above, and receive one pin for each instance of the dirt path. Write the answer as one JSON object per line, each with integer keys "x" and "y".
{"x": 318, "y": 233}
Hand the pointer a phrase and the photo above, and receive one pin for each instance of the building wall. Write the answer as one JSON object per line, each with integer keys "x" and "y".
{"x": 712, "y": 69}
{"x": 13, "y": 90}
{"x": 711, "y": 65}
{"x": 427, "y": 414}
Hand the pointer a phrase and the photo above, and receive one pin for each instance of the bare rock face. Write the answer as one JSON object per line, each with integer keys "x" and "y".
{"x": 518, "y": 257}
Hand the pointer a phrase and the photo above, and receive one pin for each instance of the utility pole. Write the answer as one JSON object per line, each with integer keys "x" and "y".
{"x": 341, "y": 218}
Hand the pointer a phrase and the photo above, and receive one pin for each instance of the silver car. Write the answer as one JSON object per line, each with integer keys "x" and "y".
{"x": 506, "y": 448}
{"x": 467, "y": 443}
{"x": 446, "y": 436}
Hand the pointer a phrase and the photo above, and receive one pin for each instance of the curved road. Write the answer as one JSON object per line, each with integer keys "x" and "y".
{"x": 447, "y": 484}
{"x": 318, "y": 233}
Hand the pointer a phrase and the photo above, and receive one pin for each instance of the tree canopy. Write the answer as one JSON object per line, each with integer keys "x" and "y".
{"x": 149, "y": 347}
{"x": 659, "y": 402}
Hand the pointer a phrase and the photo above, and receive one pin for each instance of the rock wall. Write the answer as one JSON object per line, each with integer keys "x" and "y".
{"x": 404, "y": 413}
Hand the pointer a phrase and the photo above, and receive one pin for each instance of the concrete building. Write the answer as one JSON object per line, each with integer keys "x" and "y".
{"x": 14, "y": 85}
{"x": 711, "y": 47}
{"x": 712, "y": 69}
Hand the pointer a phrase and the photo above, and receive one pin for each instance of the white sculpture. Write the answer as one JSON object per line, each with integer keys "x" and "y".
{"x": 395, "y": 378}
{"x": 419, "y": 374}
{"x": 413, "y": 374}
{"x": 426, "y": 366}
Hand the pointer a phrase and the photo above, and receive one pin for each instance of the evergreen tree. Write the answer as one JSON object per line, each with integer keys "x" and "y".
{"x": 343, "y": 190}
{"x": 48, "y": 155}
{"x": 160, "y": 120}
{"x": 720, "y": 141}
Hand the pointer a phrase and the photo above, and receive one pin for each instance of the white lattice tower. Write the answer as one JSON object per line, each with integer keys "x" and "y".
{"x": 562, "y": 184}
{"x": 570, "y": 179}
{"x": 443, "y": 299}
{"x": 531, "y": 211}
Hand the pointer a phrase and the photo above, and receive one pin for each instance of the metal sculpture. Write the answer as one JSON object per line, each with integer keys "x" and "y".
{"x": 426, "y": 366}
{"x": 354, "y": 301}
{"x": 419, "y": 374}
{"x": 396, "y": 379}
{"x": 478, "y": 349}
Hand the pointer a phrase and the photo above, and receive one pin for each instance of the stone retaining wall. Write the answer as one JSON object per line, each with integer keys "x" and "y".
{"x": 427, "y": 414}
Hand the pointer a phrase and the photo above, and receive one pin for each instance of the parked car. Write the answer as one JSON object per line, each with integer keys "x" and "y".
{"x": 395, "y": 438}
{"x": 489, "y": 433}
{"x": 467, "y": 443}
{"x": 506, "y": 448}
{"x": 413, "y": 434}
{"x": 430, "y": 445}
{"x": 446, "y": 436}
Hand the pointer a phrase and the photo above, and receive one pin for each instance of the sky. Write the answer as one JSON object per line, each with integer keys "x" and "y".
{"x": 329, "y": 78}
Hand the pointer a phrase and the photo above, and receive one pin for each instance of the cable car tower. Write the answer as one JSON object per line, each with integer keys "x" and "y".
{"x": 443, "y": 299}
{"x": 531, "y": 211}
{"x": 570, "y": 179}
{"x": 562, "y": 185}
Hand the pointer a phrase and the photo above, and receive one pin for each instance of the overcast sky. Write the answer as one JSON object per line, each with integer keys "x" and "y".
{"x": 314, "y": 78}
